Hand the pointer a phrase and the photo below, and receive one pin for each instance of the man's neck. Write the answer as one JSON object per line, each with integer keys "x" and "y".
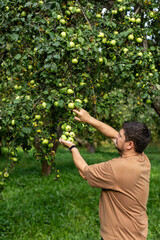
{"x": 130, "y": 154}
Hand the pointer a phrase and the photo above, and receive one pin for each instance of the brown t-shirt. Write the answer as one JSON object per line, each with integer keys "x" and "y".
{"x": 125, "y": 189}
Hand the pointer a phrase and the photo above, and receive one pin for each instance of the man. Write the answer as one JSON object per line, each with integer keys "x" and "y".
{"x": 124, "y": 181}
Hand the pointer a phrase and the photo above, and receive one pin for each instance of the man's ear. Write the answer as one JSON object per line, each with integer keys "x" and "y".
{"x": 130, "y": 145}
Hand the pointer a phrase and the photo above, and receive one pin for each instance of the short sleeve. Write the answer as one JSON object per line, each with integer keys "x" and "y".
{"x": 100, "y": 175}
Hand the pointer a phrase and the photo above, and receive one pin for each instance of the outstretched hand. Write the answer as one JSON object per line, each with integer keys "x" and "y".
{"x": 66, "y": 143}
{"x": 83, "y": 115}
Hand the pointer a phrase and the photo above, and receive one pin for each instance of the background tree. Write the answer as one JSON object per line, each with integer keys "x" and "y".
{"x": 57, "y": 55}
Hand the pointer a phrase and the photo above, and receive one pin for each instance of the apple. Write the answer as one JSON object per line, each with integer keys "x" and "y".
{"x": 105, "y": 96}
{"x": 70, "y": 91}
{"x": 101, "y": 35}
{"x": 7, "y": 8}
{"x": 78, "y": 100}
{"x": 78, "y": 10}
{"x": 68, "y": 128}
{"x": 139, "y": 40}
{"x": 30, "y": 67}
{"x": 150, "y": 74}
{"x": 104, "y": 40}
{"x": 13, "y": 122}
{"x": 121, "y": 9}
{"x": 58, "y": 17}
{"x": 56, "y": 103}
{"x": 125, "y": 50}
{"x": 14, "y": 159}
{"x": 85, "y": 100}
{"x": 72, "y": 134}
{"x": 23, "y": 14}
{"x": 74, "y": 60}
{"x": 44, "y": 104}
{"x": 45, "y": 141}
{"x": 100, "y": 60}
{"x": 62, "y": 21}
{"x": 119, "y": 1}
{"x": 98, "y": 15}
{"x": 70, "y": 139}
{"x": 114, "y": 11}
{"x": 151, "y": 14}
{"x": 50, "y": 145}
{"x": 113, "y": 42}
{"x": 130, "y": 37}
{"x": 115, "y": 32}
{"x": 6, "y": 174}
{"x": 67, "y": 12}
{"x": 41, "y": 2}
{"x": 63, "y": 126}
{"x": 28, "y": 97}
{"x": 37, "y": 117}
{"x": 71, "y": 105}
{"x": 63, "y": 34}
{"x": 32, "y": 82}
{"x": 132, "y": 19}
{"x": 70, "y": 8}
{"x": 64, "y": 137}
{"x": 66, "y": 133}
{"x": 152, "y": 67}
{"x": 72, "y": 44}
{"x": 140, "y": 54}
{"x": 138, "y": 20}
{"x": 40, "y": 122}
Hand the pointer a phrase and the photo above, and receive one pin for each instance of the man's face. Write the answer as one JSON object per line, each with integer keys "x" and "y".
{"x": 120, "y": 141}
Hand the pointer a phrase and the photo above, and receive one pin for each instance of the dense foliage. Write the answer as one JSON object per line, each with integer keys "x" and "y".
{"x": 57, "y": 55}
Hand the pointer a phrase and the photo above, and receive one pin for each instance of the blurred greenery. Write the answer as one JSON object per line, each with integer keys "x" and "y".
{"x": 40, "y": 208}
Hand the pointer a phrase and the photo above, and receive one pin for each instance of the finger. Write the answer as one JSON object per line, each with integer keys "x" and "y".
{"x": 77, "y": 119}
{"x": 76, "y": 111}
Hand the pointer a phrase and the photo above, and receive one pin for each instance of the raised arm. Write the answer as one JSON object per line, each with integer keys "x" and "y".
{"x": 105, "y": 129}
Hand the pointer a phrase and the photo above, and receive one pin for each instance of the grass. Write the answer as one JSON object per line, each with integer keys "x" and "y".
{"x": 39, "y": 208}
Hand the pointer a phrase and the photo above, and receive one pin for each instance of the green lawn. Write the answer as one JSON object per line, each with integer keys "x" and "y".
{"x": 39, "y": 208}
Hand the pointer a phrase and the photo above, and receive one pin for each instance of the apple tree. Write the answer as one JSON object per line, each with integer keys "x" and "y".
{"x": 60, "y": 55}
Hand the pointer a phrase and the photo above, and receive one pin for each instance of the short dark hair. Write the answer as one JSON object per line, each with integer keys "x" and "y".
{"x": 138, "y": 133}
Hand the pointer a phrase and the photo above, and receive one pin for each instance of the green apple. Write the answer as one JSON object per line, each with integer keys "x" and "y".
{"x": 50, "y": 145}
{"x": 40, "y": 2}
{"x": 140, "y": 54}
{"x": 15, "y": 159}
{"x": 121, "y": 9}
{"x": 70, "y": 139}
{"x": 62, "y": 21}
{"x": 100, "y": 60}
{"x": 13, "y": 122}
{"x": 67, "y": 12}
{"x": 130, "y": 37}
{"x": 125, "y": 50}
{"x": 105, "y": 96}
{"x": 68, "y": 128}
{"x": 7, "y": 8}
{"x": 72, "y": 44}
{"x": 72, "y": 134}
{"x": 78, "y": 100}
{"x": 70, "y": 91}
{"x": 37, "y": 117}
{"x": 66, "y": 133}
{"x": 78, "y": 10}
{"x": 114, "y": 11}
{"x": 113, "y": 42}
{"x": 44, "y": 104}
{"x": 132, "y": 19}
{"x": 32, "y": 82}
{"x": 101, "y": 35}
{"x": 115, "y": 32}
{"x": 23, "y": 14}
{"x": 71, "y": 105}
{"x": 138, "y": 20}
{"x": 58, "y": 17}
{"x": 45, "y": 141}
{"x": 6, "y": 174}
{"x": 56, "y": 103}
{"x": 152, "y": 67}
{"x": 63, "y": 34}
{"x": 139, "y": 40}
{"x": 30, "y": 67}
{"x": 64, "y": 137}
{"x": 98, "y": 15}
{"x": 119, "y": 1}
{"x": 28, "y": 97}
{"x": 74, "y": 60}
{"x": 104, "y": 40}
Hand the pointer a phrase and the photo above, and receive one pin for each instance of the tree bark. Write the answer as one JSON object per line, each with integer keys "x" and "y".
{"x": 156, "y": 105}
{"x": 46, "y": 168}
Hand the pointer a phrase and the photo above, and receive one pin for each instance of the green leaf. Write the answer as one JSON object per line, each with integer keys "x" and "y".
{"x": 81, "y": 40}
{"x": 26, "y": 130}
{"x": 18, "y": 56}
{"x": 14, "y": 36}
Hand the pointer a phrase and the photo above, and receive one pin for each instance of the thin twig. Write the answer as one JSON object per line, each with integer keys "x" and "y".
{"x": 84, "y": 15}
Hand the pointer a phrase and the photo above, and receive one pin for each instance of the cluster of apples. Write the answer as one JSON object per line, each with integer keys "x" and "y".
{"x": 68, "y": 134}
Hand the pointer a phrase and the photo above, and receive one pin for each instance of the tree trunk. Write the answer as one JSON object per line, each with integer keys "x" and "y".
{"x": 156, "y": 105}
{"x": 46, "y": 168}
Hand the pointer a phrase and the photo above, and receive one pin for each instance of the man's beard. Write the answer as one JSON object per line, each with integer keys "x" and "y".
{"x": 119, "y": 150}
